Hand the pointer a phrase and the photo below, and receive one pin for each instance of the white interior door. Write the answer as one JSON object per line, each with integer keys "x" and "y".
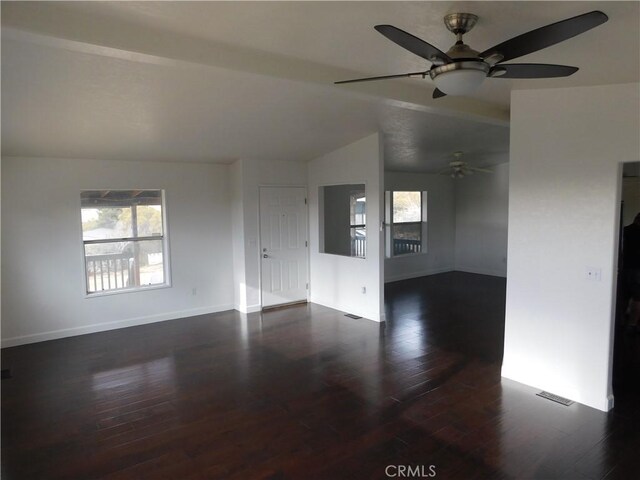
{"x": 283, "y": 245}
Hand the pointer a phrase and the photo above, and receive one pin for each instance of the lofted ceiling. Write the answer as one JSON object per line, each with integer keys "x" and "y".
{"x": 217, "y": 81}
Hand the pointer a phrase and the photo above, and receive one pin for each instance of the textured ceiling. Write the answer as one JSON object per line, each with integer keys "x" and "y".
{"x": 216, "y": 81}
{"x": 68, "y": 104}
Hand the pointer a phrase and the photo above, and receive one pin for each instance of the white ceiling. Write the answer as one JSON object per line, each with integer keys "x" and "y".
{"x": 69, "y": 104}
{"x": 216, "y": 81}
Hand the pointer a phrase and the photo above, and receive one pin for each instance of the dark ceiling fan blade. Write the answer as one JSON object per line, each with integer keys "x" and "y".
{"x": 544, "y": 37}
{"x": 531, "y": 70}
{"x": 438, "y": 93}
{"x": 384, "y": 77}
{"x": 413, "y": 44}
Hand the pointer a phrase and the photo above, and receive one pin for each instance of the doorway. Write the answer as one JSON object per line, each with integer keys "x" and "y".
{"x": 626, "y": 350}
{"x": 284, "y": 263}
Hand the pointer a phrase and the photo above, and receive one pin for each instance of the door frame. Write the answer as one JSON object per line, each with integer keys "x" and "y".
{"x": 259, "y": 245}
{"x": 613, "y": 327}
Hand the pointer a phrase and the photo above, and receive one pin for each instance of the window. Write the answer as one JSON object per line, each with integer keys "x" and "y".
{"x": 407, "y": 211}
{"x": 123, "y": 233}
{"x": 357, "y": 222}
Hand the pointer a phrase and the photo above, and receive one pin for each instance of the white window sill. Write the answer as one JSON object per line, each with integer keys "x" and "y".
{"x": 105, "y": 293}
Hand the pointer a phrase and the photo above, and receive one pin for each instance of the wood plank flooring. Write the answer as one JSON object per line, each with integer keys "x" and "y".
{"x": 306, "y": 393}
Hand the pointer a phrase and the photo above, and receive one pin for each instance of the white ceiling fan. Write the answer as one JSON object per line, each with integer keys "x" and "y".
{"x": 458, "y": 168}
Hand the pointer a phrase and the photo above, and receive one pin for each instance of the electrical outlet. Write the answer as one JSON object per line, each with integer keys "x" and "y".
{"x": 594, "y": 274}
{"x": 364, "y": 290}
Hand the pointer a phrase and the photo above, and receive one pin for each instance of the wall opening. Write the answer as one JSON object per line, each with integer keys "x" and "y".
{"x": 626, "y": 350}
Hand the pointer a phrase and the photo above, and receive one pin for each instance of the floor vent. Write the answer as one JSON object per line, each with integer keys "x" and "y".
{"x": 555, "y": 398}
{"x": 351, "y": 315}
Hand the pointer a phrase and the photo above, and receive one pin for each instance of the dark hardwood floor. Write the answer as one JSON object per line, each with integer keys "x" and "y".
{"x": 306, "y": 393}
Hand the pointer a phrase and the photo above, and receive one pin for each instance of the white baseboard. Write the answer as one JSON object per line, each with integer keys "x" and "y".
{"x": 419, "y": 273}
{"x": 604, "y": 404}
{"x": 102, "y": 327}
{"x": 378, "y": 318}
{"x": 481, "y": 271}
{"x": 248, "y": 308}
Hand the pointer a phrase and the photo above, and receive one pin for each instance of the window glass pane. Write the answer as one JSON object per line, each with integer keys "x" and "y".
{"x": 407, "y": 207}
{"x": 109, "y": 266}
{"x": 149, "y": 220}
{"x": 106, "y": 222}
{"x": 111, "y": 214}
{"x": 151, "y": 262}
{"x": 407, "y": 238}
{"x": 358, "y": 242}
{"x": 358, "y": 212}
{"x": 118, "y": 265}
{"x": 358, "y": 219}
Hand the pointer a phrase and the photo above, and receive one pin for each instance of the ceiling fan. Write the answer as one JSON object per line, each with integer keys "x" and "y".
{"x": 458, "y": 168}
{"x": 461, "y": 69}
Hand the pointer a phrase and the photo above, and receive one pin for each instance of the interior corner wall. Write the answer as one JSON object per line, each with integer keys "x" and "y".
{"x": 248, "y": 176}
{"x": 441, "y": 221}
{"x": 337, "y": 281}
{"x": 44, "y": 291}
{"x": 237, "y": 235}
{"x": 482, "y": 205}
{"x": 564, "y": 192}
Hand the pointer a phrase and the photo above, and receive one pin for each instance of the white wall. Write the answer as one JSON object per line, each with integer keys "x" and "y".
{"x": 482, "y": 202}
{"x": 336, "y": 281}
{"x": 42, "y": 258}
{"x": 237, "y": 236}
{"x": 248, "y": 175}
{"x": 564, "y": 194}
{"x": 440, "y": 226}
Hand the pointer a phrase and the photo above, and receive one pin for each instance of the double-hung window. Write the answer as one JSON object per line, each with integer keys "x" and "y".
{"x": 357, "y": 222}
{"x": 408, "y": 220}
{"x": 123, "y": 234}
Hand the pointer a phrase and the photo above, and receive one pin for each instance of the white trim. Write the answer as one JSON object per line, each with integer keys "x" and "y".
{"x": 367, "y": 226}
{"x": 417, "y": 274}
{"x": 102, "y": 327}
{"x": 605, "y": 404}
{"x": 166, "y": 249}
{"x": 117, "y": 291}
{"x": 374, "y": 317}
{"x": 481, "y": 271}
{"x": 248, "y": 309}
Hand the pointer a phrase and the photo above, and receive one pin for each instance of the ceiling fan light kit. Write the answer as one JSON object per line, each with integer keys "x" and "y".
{"x": 461, "y": 70}
{"x": 460, "y": 78}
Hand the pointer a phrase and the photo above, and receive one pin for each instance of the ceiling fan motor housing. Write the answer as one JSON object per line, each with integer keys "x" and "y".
{"x": 468, "y": 70}
{"x": 459, "y": 23}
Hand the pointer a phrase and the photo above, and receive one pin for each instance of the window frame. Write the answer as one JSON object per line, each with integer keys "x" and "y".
{"x": 166, "y": 263}
{"x": 355, "y": 226}
{"x": 389, "y": 224}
